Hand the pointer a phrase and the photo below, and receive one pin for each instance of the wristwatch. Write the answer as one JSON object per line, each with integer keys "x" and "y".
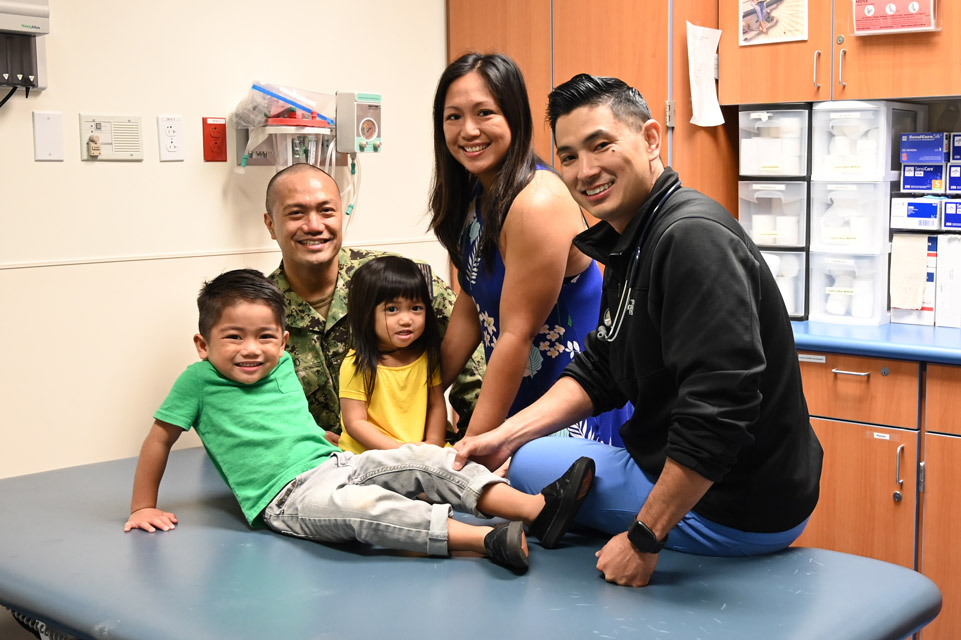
{"x": 643, "y": 539}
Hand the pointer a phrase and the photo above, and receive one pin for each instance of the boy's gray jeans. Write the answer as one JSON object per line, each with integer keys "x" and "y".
{"x": 371, "y": 497}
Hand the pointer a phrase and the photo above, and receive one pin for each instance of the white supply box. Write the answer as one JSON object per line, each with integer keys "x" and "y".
{"x": 854, "y": 140}
{"x": 789, "y": 269}
{"x": 850, "y": 217}
{"x": 773, "y": 213}
{"x": 947, "y": 312}
{"x": 773, "y": 142}
{"x": 849, "y": 289}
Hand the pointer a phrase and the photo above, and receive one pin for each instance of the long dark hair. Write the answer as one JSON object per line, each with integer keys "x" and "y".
{"x": 453, "y": 185}
{"x": 378, "y": 280}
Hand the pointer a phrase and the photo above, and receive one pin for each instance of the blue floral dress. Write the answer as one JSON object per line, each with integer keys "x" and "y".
{"x": 574, "y": 316}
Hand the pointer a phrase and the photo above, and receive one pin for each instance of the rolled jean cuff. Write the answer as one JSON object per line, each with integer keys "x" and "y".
{"x": 437, "y": 537}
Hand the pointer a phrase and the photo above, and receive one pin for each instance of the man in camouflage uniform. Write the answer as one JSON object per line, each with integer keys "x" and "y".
{"x": 304, "y": 216}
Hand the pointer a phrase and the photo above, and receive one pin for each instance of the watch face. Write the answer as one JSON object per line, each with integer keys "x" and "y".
{"x": 643, "y": 539}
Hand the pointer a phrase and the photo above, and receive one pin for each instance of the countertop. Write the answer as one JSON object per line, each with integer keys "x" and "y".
{"x": 902, "y": 341}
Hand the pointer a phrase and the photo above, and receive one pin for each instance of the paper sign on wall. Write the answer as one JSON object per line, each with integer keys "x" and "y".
{"x": 892, "y": 16}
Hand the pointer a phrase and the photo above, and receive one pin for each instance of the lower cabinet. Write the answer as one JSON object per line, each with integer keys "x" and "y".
{"x": 868, "y": 497}
{"x": 940, "y": 556}
{"x": 876, "y": 500}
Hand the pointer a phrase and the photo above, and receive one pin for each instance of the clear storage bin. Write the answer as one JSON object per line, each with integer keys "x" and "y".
{"x": 849, "y": 289}
{"x": 773, "y": 142}
{"x": 850, "y": 217}
{"x": 773, "y": 213}
{"x": 853, "y": 140}
{"x": 790, "y": 271}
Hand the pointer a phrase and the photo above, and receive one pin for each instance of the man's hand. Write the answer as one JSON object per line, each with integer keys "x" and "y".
{"x": 622, "y": 564}
{"x": 489, "y": 449}
{"x": 151, "y": 519}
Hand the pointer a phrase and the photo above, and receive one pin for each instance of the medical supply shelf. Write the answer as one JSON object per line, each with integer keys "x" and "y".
{"x": 882, "y": 401}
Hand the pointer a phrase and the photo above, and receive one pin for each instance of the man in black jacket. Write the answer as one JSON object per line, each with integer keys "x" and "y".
{"x": 720, "y": 456}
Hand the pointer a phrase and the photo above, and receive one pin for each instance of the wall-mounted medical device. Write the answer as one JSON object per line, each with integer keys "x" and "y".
{"x": 358, "y": 122}
{"x": 23, "y": 58}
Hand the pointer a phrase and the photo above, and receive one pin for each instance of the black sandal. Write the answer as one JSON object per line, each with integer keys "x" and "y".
{"x": 562, "y": 500}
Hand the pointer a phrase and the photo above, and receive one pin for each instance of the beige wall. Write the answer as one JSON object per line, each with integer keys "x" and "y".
{"x": 100, "y": 262}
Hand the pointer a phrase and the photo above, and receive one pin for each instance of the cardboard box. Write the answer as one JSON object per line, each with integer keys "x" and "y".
{"x": 923, "y": 148}
{"x": 947, "y": 312}
{"x": 918, "y": 214}
{"x": 955, "y": 150}
{"x": 951, "y": 215}
{"x": 953, "y": 181}
{"x": 914, "y": 261}
{"x": 922, "y": 178}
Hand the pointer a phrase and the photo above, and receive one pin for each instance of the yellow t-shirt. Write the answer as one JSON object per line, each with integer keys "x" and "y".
{"x": 398, "y": 404}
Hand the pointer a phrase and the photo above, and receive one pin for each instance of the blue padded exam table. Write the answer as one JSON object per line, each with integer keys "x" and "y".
{"x": 65, "y": 559}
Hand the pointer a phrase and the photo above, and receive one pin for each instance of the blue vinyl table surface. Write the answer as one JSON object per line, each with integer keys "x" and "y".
{"x": 64, "y": 558}
{"x": 941, "y": 345}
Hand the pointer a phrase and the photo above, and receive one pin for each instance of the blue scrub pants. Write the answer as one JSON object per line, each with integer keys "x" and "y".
{"x": 620, "y": 489}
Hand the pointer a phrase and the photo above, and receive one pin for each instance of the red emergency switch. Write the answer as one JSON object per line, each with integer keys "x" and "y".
{"x": 215, "y": 139}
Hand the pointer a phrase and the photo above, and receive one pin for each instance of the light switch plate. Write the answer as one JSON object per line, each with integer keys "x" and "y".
{"x": 48, "y": 136}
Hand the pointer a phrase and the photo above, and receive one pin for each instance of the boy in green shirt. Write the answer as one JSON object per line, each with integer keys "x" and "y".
{"x": 249, "y": 409}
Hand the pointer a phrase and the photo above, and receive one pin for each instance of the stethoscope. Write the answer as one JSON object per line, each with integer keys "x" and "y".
{"x": 612, "y": 327}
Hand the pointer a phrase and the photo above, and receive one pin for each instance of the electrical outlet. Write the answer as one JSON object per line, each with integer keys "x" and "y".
{"x": 171, "y": 138}
{"x": 215, "y": 139}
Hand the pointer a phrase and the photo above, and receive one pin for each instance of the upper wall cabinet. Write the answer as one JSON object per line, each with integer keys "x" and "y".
{"x": 833, "y": 63}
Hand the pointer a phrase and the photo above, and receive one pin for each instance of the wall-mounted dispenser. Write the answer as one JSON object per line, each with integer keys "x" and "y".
{"x": 23, "y": 59}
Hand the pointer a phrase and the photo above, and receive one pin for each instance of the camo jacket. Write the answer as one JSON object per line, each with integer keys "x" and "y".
{"x": 318, "y": 347}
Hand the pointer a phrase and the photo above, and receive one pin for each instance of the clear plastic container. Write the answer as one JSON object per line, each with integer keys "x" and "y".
{"x": 853, "y": 140}
{"x": 849, "y": 289}
{"x": 773, "y": 213}
{"x": 790, "y": 271}
{"x": 773, "y": 142}
{"x": 850, "y": 217}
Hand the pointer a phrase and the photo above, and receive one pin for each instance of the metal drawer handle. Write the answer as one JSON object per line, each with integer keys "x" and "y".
{"x": 841, "y": 68}
{"x": 817, "y": 54}
{"x": 897, "y": 469}
{"x": 863, "y": 374}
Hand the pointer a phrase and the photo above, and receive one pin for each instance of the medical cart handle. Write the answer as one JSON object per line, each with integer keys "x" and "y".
{"x": 817, "y": 54}
{"x": 897, "y": 468}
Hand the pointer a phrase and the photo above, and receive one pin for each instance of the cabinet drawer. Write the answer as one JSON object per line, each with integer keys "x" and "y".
{"x": 861, "y": 389}
{"x": 942, "y": 388}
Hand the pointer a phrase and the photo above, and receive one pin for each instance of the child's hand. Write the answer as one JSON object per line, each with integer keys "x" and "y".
{"x": 151, "y": 519}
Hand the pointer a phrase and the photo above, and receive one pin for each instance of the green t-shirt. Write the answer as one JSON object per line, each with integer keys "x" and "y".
{"x": 259, "y": 436}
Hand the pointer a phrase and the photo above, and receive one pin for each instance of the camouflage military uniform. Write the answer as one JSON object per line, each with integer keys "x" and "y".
{"x": 318, "y": 348}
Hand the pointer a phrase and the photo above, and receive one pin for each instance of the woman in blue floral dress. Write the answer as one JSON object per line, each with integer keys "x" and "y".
{"x": 507, "y": 221}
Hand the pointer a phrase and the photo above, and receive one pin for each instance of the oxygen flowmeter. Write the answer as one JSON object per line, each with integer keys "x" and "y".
{"x": 358, "y": 122}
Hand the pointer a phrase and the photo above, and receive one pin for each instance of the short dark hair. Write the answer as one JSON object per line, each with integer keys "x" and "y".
{"x": 239, "y": 285}
{"x": 378, "y": 280}
{"x": 293, "y": 169}
{"x": 453, "y": 187}
{"x": 626, "y": 103}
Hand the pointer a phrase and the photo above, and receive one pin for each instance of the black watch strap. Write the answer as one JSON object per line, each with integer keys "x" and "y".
{"x": 644, "y": 539}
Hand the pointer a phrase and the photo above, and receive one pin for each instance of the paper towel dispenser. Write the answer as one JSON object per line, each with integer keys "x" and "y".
{"x": 23, "y": 60}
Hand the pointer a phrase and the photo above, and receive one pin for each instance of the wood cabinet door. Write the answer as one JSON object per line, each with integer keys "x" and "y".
{"x": 902, "y": 65}
{"x": 798, "y": 71}
{"x": 941, "y": 521}
{"x": 857, "y": 511}
{"x": 941, "y": 399}
{"x": 521, "y": 30}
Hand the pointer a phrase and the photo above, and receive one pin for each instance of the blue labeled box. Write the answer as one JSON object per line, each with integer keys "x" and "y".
{"x": 922, "y": 178}
{"x": 955, "y": 147}
{"x": 953, "y": 181}
{"x": 952, "y": 215}
{"x": 922, "y": 148}
{"x": 916, "y": 213}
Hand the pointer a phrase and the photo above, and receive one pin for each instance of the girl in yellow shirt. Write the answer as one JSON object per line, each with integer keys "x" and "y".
{"x": 390, "y": 385}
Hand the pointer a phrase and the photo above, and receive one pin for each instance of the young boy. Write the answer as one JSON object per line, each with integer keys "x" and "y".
{"x": 250, "y": 412}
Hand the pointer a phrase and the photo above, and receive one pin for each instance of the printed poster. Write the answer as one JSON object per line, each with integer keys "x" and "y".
{"x": 891, "y": 16}
{"x": 772, "y": 21}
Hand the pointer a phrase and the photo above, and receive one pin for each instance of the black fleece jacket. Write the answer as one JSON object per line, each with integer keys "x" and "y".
{"x": 706, "y": 354}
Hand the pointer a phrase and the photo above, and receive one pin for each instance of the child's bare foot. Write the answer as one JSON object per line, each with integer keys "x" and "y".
{"x": 563, "y": 498}
{"x": 506, "y": 545}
